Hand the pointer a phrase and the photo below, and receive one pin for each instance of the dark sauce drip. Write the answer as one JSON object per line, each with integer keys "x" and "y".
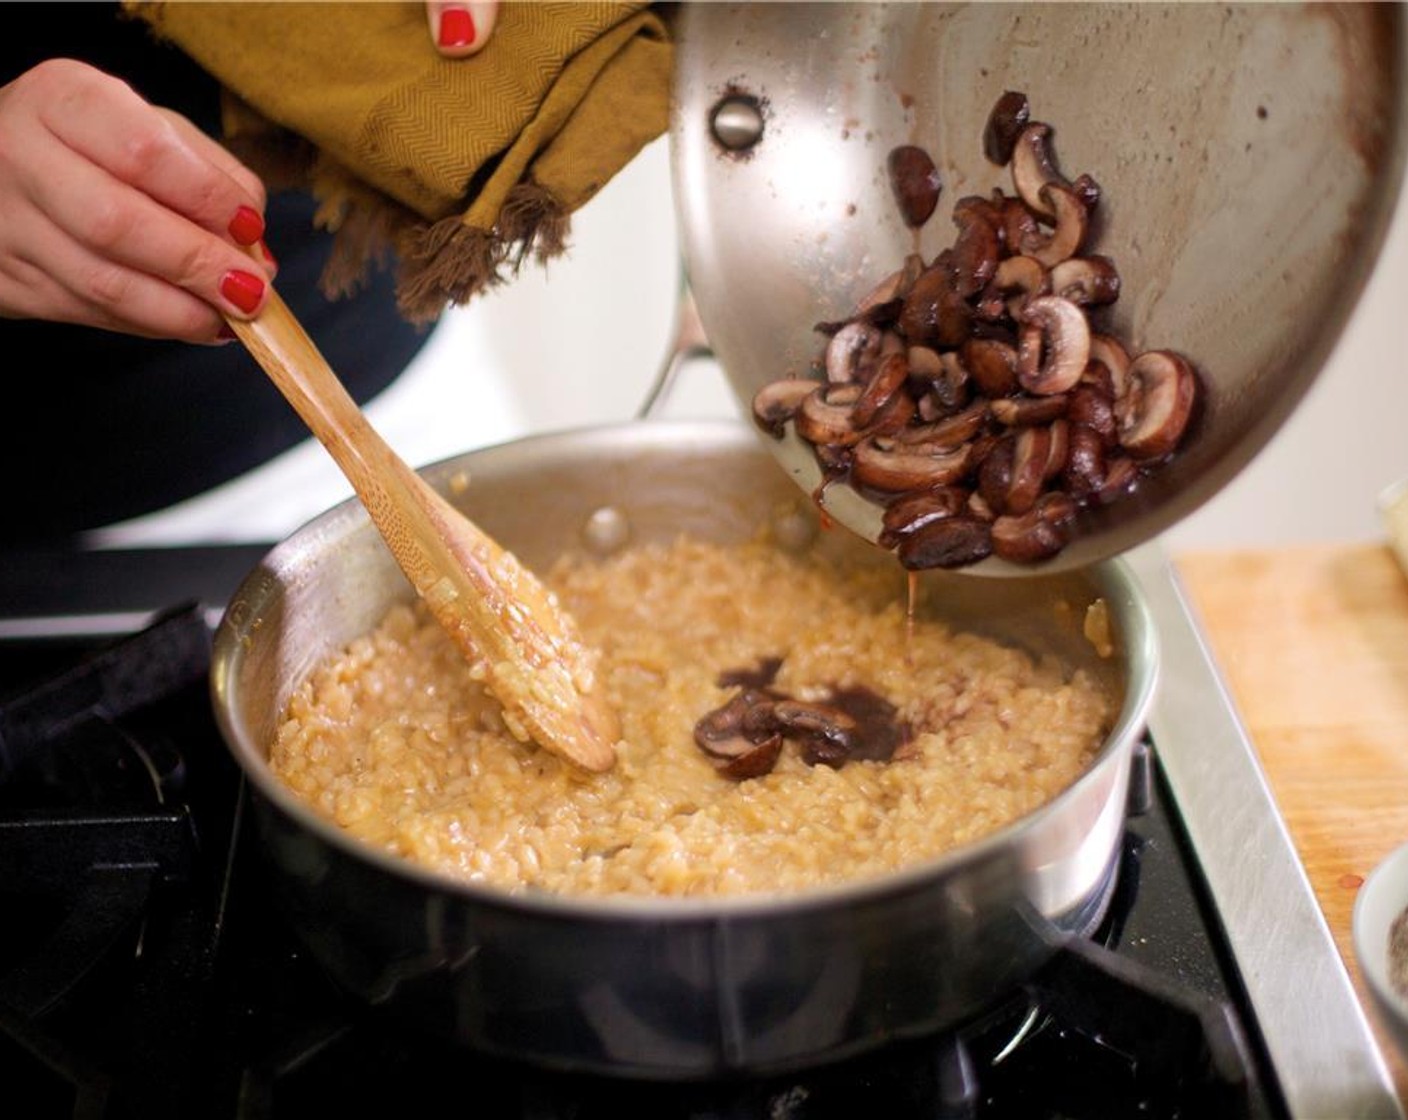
{"x": 879, "y": 731}
{"x": 758, "y": 677}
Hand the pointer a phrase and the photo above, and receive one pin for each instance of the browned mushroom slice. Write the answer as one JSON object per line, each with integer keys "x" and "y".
{"x": 852, "y": 349}
{"x": 1088, "y": 190}
{"x": 979, "y": 245}
{"x": 1093, "y": 409}
{"x": 894, "y": 286}
{"x": 1054, "y": 345}
{"x": 934, "y": 313}
{"x": 1039, "y": 534}
{"x": 1086, "y": 280}
{"x": 777, "y": 402}
{"x": 721, "y": 732}
{"x": 1021, "y": 279}
{"x": 913, "y": 511}
{"x": 1067, "y": 236}
{"x": 950, "y": 431}
{"x": 1084, "y": 473}
{"x": 1023, "y": 412}
{"x": 1031, "y": 451}
{"x": 883, "y": 464}
{"x": 916, "y": 183}
{"x": 1034, "y": 168}
{"x": 992, "y": 364}
{"x": 1121, "y": 477}
{"x": 889, "y": 379}
{"x": 754, "y": 763}
{"x": 950, "y": 542}
{"x": 1005, "y": 123}
{"x": 826, "y": 734}
{"x": 825, "y": 416}
{"x": 1110, "y": 352}
{"x": 1060, "y": 448}
{"x": 1018, "y": 219}
{"x": 1156, "y": 405}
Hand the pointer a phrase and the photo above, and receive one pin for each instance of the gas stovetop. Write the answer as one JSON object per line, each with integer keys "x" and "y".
{"x": 148, "y": 972}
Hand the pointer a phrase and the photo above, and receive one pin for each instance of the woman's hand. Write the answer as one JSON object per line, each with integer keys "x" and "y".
{"x": 115, "y": 213}
{"x": 463, "y": 28}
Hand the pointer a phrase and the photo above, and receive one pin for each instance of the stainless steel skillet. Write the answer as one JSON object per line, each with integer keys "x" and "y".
{"x": 1250, "y": 157}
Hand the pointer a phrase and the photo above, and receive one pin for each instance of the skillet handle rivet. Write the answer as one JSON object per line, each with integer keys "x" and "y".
{"x": 737, "y": 122}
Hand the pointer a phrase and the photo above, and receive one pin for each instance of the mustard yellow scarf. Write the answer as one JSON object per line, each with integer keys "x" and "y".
{"x": 463, "y": 168}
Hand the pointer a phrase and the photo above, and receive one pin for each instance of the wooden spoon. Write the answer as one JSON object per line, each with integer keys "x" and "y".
{"x": 520, "y": 642}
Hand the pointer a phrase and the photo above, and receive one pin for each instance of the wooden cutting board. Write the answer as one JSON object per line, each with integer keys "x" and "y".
{"x": 1312, "y": 642}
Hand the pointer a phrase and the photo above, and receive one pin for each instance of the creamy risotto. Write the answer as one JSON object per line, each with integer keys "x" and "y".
{"x": 394, "y": 742}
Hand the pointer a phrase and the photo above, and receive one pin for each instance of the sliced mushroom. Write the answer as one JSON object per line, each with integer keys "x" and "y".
{"x": 1067, "y": 236}
{"x": 889, "y": 378}
{"x": 934, "y": 313}
{"x": 950, "y": 390}
{"x": 894, "y": 416}
{"x": 1024, "y": 412}
{"x": 1021, "y": 279}
{"x": 1033, "y": 167}
{"x": 951, "y": 431}
{"x": 825, "y": 734}
{"x": 754, "y": 763}
{"x": 979, "y": 245}
{"x": 950, "y": 542}
{"x": 913, "y": 511}
{"x": 1091, "y": 408}
{"x": 992, "y": 364}
{"x": 721, "y": 732}
{"x": 1031, "y": 451}
{"x": 1156, "y": 405}
{"x": 1088, "y": 190}
{"x": 916, "y": 183}
{"x": 1087, "y": 281}
{"x": 852, "y": 349}
{"x": 1018, "y": 219}
{"x": 884, "y": 464}
{"x": 895, "y": 286}
{"x": 825, "y": 416}
{"x": 1084, "y": 473}
{"x": 1036, "y": 535}
{"x": 1121, "y": 477}
{"x": 1110, "y": 353}
{"x": 1054, "y": 345}
{"x": 777, "y": 402}
{"x": 1060, "y": 448}
{"x": 1005, "y": 123}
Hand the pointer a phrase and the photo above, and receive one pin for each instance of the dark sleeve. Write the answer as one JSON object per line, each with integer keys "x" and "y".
{"x": 114, "y": 426}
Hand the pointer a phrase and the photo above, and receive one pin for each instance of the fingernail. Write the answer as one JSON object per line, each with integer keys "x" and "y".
{"x": 226, "y": 333}
{"x": 246, "y": 227}
{"x": 456, "y": 28}
{"x": 243, "y": 289}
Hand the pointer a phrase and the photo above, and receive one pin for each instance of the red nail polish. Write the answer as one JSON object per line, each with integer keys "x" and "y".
{"x": 226, "y": 333}
{"x": 243, "y": 289}
{"x": 246, "y": 227}
{"x": 456, "y": 28}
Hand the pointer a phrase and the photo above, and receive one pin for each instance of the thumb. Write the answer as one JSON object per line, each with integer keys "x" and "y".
{"x": 459, "y": 29}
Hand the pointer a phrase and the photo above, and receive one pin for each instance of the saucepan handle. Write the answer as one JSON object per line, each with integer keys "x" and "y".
{"x": 687, "y": 342}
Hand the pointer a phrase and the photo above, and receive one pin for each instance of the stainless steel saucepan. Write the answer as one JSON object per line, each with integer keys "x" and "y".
{"x": 1249, "y": 157}
{"x": 660, "y": 987}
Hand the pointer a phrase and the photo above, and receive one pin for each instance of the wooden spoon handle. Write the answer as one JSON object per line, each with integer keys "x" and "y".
{"x": 513, "y": 630}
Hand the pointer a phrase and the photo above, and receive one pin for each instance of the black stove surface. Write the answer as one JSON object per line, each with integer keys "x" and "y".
{"x": 145, "y": 970}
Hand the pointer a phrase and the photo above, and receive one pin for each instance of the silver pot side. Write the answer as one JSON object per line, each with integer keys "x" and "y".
{"x": 653, "y": 987}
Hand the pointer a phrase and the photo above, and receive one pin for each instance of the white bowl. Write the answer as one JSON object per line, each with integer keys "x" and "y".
{"x": 1382, "y": 898}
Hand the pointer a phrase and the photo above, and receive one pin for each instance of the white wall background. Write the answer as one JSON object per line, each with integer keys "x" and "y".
{"x": 580, "y": 341}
